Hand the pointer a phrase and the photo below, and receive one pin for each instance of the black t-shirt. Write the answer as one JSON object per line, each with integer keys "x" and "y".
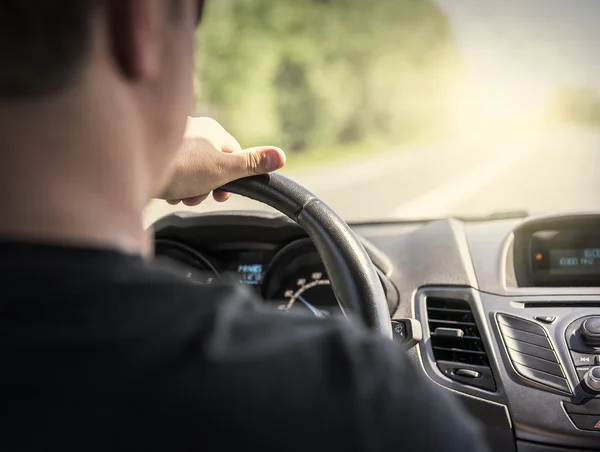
{"x": 103, "y": 351}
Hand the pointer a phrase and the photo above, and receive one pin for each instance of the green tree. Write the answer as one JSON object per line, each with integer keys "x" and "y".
{"x": 303, "y": 73}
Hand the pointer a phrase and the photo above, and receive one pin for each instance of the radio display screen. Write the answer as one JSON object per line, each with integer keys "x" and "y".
{"x": 567, "y": 257}
{"x": 575, "y": 261}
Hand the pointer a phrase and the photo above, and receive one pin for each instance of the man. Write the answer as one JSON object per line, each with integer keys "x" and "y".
{"x": 102, "y": 351}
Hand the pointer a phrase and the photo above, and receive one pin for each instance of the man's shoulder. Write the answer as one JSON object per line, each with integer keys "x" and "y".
{"x": 146, "y": 345}
{"x": 235, "y": 332}
{"x": 333, "y": 375}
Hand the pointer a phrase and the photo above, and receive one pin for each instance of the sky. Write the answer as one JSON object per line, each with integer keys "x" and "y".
{"x": 523, "y": 49}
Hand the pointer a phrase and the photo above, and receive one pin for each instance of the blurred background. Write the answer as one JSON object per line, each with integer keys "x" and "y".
{"x": 403, "y": 109}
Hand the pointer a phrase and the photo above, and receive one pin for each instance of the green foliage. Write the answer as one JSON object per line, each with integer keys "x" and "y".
{"x": 578, "y": 105}
{"x": 312, "y": 73}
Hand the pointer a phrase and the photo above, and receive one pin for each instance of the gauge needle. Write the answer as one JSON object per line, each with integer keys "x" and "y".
{"x": 311, "y": 308}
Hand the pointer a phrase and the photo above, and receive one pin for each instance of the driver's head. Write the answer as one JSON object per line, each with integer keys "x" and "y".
{"x": 102, "y": 76}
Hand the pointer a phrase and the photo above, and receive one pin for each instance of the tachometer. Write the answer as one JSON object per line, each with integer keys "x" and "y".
{"x": 184, "y": 261}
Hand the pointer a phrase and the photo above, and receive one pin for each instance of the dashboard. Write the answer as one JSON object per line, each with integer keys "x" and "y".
{"x": 291, "y": 277}
{"x": 271, "y": 255}
{"x": 502, "y": 314}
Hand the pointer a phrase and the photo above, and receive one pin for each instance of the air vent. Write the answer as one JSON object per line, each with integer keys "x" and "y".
{"x": 531, "y": 352}
{"x": 456, "y": 343}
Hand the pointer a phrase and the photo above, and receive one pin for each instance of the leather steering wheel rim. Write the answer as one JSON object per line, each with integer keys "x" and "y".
{"x": 352, "y": 274}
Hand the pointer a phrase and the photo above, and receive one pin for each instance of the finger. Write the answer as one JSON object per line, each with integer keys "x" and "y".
{"x": 261, "y": 160}
{"x": 173, "y": 202}
{"x": 191, "y": 202}
{"x": 250, "y": 162}
{"x": 221, "y": 196}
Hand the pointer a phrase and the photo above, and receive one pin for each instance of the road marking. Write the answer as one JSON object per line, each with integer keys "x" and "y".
{"x": 444, "y": 199}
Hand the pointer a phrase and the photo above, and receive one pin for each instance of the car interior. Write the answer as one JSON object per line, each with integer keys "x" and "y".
{"x": 503, "y": 312}
{"x": 459, "y": 141}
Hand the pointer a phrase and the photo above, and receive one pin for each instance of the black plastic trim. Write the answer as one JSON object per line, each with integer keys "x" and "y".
{"x": 529, "y": 349}
{"x": 544, "y": 378}
{"x": 586, "y": 421}
{"x": 526, "y": 446}
{"x": 589, "y": 406}
{"x": 523, "y": 336}
{"x": 535, "y": 363}
{"x": 520, "y": 324}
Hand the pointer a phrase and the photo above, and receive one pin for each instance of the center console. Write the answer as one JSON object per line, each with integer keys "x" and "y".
{"x": 560, "y": 252}
{"x": 533, "y": 348}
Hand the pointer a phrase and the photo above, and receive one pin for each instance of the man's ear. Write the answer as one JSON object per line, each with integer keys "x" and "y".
{"x": 134, "y": 27}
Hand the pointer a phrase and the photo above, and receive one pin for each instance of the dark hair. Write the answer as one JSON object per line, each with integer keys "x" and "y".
{"x": 43, "y": 44}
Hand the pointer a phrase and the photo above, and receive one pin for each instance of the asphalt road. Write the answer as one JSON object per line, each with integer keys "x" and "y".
{"x": 553, "y": 172}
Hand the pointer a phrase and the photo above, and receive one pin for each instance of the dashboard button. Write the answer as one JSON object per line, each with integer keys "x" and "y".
{"x": 546, "y": 318}
{"x": 399, "y": 330}
{"x": 586, "y": 421}
{"x": 590, "y": 330}
{"x": 528, "y": 349}
{"x": 407, "y": 332}
{"x": 581, "y": 371}
{"x": 583, "y": 359}
{"x": 591, "y": 380}
{"x": 542, "y": 377}
{"x": 520, "y": 324}
{"x": 532, "y": 362}
{"x": 535, "y": 339}
{"x": 589, "y": 406}
{"x": 592, "y": 325}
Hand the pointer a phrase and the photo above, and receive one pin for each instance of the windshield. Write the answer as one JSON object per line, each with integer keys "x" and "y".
{"x": 407, "y": 109}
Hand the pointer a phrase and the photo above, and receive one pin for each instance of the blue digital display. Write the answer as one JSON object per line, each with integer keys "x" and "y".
{"x": 250, "y": 273}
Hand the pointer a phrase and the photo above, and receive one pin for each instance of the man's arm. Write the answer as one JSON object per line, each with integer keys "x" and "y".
{"x": 407, "y": 410}
{"x": 356, "y": 388}
{"x": 328, "y": 383}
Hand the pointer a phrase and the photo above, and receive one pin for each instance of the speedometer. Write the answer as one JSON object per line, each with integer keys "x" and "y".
{"x": 296, "y": 281}
{"x": 310, "y": 296}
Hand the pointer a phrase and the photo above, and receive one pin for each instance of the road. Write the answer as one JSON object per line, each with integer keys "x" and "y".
{"x": 557, "y": 172}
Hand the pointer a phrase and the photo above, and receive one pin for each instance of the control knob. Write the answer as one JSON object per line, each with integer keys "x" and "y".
{"x": 590, "y": 330}
{"x": 591, "y": 379}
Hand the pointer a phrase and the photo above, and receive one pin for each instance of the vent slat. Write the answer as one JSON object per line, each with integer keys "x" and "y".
{"x": 458, "y": 314}
{"x": 462, "y": 311}
{"x": 458, "y": 350}
{"x": 468, "y": 338}
{"x": 451, "y": 322}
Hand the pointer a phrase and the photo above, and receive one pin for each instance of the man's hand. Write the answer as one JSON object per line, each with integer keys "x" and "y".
{"x": 209, "y": 158}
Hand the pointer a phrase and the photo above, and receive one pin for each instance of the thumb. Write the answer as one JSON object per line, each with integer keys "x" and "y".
{"x": 259, "y": 160}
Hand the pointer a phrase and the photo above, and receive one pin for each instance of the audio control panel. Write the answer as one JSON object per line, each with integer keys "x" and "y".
{"x": 583, "y": 341}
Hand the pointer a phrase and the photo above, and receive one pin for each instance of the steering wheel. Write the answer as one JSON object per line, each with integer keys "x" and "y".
{"x": 353, "y": 277}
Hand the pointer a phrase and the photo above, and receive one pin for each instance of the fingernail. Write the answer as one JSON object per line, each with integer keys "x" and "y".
{"x": 274, "y": 159}
{"x": 271, "y": 160}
